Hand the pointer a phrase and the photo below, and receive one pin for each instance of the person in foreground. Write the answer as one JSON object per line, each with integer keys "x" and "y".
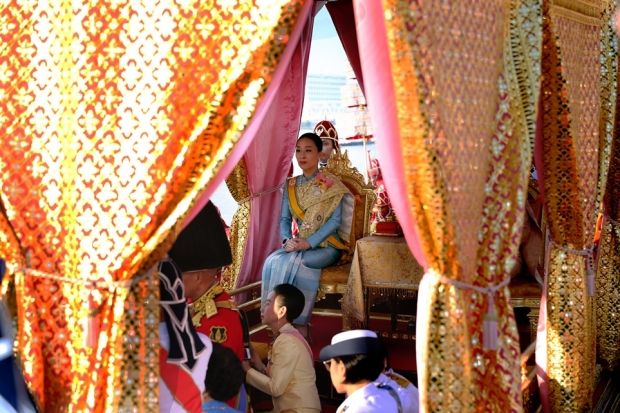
{"x": 354, "y": 361}
{"x": 315, "y": 200}
{"x": 184, "y": 353}
{"x": 289, "y": 376}
{"x": 201, "y": 250}
{"x": 224, "y": 379}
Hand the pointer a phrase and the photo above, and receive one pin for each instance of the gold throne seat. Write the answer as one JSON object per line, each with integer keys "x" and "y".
{"x": 334, "y": 278}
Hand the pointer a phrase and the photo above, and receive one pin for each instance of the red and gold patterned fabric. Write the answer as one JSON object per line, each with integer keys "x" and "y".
{"x": 569, "y": 171}
{"x": 115, "y": 115}
{"x": 608, "y": 268}
{"x": 465, "y": 123}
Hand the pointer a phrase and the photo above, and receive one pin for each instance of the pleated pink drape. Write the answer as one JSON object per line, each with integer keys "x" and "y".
{"x": 268, "y": 158}
{"x": 284, "y": 90}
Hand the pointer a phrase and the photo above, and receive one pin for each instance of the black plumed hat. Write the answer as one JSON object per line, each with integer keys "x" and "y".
{"x": 202, "y": 244}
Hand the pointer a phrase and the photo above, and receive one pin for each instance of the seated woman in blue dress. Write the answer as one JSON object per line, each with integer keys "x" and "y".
{"x": 322, "y": 206}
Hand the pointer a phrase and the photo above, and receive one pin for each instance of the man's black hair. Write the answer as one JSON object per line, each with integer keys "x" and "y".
{"x": 361, "y": 367}
{"x": 224, "y": 374}
{"x": 292, "y": 298}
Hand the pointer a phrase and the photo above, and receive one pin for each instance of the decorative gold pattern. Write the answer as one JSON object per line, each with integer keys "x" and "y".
{"x": 607, "y": 298}
{"x": 334, "y": 279}
{"x": 608, "y": 268}
{"x": 140, "y": 343}
{"x": 570, "y": 125}
{"x": 205, "y": 304}
{"x": 448, "y": 116}
{"x": 237, "y": 183}
{"x": 506, "y": 192}
{"x": 316, "y": 202}
{"x": 381, "y": 263}
{"x": 116, "y": 115}
{"x": 364, "y": 195}
{"x": 609, "y": 78}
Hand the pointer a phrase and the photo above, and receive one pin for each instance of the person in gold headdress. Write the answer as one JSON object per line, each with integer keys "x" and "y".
{"x": 328, "y": 134}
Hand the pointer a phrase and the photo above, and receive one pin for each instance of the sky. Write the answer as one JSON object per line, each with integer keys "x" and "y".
{"x": 327, "y": 57}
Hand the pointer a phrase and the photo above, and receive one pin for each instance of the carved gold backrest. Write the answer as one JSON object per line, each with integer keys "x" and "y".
{"x": 364, "y": 194}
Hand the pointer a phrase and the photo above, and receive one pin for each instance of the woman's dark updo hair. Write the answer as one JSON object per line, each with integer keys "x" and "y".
{"x": 292, "y": 298}
{"x": 314, "y": 138}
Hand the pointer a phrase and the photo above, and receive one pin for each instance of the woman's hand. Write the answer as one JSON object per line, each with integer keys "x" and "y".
{"x": 255, "y": 358}
{"x": 302, "y": 244}
{"x": 245, "y": 365}
{"x": 297, "y": 244}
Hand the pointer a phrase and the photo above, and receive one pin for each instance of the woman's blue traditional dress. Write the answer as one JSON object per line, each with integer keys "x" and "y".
{"x": 322, "y": 206}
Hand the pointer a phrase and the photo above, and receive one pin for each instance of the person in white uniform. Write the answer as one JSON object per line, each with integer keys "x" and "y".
{"x": 354, "y": 361}
{"x": 407, "y": 392}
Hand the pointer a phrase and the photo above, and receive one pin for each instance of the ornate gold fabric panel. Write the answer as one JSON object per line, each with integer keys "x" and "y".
{"x": 237, "y": 183}
{"x": 570, "y": 155}
{"x": 10, "y": 249}
{"x": 608, "y": 269}
{"x": 607, "y": 299}
{"x": 435, "y": 121}
{"x": 609, "y": 78}
{"x": 383, "y": 264}
{"x": 140, "y": 342}
{"x": 504, "y": 210}
{"x": 116, "y": 116}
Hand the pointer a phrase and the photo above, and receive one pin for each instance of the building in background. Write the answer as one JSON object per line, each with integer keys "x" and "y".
{"x": 322, "y": 100}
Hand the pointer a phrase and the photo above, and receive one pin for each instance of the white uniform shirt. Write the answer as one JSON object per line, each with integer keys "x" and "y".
{"x": 408, "y": 395}
{"x": 369, "y": 399}
{"x": 167, "y": 403}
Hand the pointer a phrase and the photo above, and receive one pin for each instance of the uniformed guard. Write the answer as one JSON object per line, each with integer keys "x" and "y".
{"x": 201, "y": 250}
{"x": 407, "y": 392}
{"x": 354, "y": 361}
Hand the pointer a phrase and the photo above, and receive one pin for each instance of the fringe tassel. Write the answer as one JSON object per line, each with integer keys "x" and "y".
{"x": 590, "y": 277}
{"x": 489, "y": 329}
{"x": 91, "y": 326}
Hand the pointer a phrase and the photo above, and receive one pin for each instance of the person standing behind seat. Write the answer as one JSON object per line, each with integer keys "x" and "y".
{"x": 354, "y": 361}
{"x": 289, "y": 376}
{"x": 328, "y": 134}
{"x": 201, "y": 250}
{"x": 224, "y": 379}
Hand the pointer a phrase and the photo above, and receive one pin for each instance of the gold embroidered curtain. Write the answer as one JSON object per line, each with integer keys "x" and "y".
{"x": 608, "y": 273}
{"x": 570, "y": 146}
{"x": 466, "y": 82}
{"x": 608, "y": 270}
{"x": 116, "y": 116}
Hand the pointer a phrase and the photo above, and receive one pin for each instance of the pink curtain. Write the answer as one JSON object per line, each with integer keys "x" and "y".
{"x": 341, "y": 13}
{"x": 268, "y": 158}
{"x": 277, "y": 96}
{"x": 377, "y": 70}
